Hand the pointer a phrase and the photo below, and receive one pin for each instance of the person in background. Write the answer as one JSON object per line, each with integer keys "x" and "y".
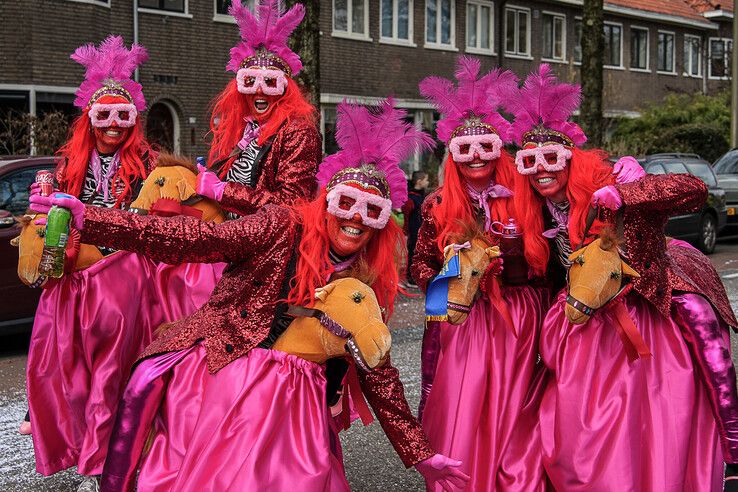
{"x": 417, "y": 187}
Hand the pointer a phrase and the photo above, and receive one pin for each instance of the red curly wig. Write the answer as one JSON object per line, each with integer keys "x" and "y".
{"x": 230, "y": 107}
{"x": 587, "y": 173}
{"x": 384, "y": 253}
{"x": 78, "y": 148}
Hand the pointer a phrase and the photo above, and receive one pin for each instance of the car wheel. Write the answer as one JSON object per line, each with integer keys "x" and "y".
{"x": 707, "y": 234}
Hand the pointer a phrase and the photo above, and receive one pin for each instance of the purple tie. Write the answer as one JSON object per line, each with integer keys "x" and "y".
{"x": 481, "y": 197}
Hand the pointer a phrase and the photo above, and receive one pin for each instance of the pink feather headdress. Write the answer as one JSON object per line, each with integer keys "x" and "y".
{"x": 373, "y": 142}
{"x": 542, "y": 108}
{"x": 108, "y": 72}
{"x": 264, "y": 36}
{"x": 474, "y": 103}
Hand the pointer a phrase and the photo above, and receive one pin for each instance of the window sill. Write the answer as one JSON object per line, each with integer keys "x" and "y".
{"x": 93, "y": 2}
{"x": 440, "y": 47}
{"x": 398, "y": 42}
{"x": 354, "y": 37}
{"x": 640, "y": 70}
{"x": 553, "y": 60}
{"x": 480, "y": 51}
{"x": 671, "y": 74}
{"x": 518, "y": 56}
{"x": 614, "y": 67}
{"x": 224, "y": 18}
{"x": 692, "y": 76}
{"x": 167, "y": 13}
{"x": 712, "y": 77}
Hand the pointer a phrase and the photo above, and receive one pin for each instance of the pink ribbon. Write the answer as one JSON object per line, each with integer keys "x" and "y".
{"x": 482, "y": 198}
{"x": 250, "y": 132}
{"x": 459, "y": 247}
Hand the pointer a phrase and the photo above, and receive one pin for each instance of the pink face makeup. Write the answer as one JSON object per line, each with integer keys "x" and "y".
{"x": 271, "y": 82}
{"x": 104, "y": 115}
{"x": 346, "y": 201}
{"x": 487, "y": 147}
{"x": 551, "y": 157}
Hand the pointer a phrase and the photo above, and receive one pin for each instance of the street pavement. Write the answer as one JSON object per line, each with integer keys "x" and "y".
{"x": 371, "y": 464}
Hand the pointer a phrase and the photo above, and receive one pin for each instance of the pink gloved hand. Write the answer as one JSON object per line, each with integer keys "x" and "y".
{"x": 607, "y": 197}
{"x": 627, "y": 170}
{"x": 209, "y": 184}
{"x": 444, "y": 471}
{"x": 42, "y": 205}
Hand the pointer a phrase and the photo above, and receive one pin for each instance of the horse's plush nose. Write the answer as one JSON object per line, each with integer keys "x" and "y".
{"x": 374, "y": 342}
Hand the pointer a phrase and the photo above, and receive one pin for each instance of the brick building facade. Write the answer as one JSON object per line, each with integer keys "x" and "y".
{"x": 368, "y": 49}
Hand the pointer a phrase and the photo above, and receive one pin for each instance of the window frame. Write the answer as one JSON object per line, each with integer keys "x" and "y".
{"x": 563, "y": 37}
{"x": 410, "y": 41}
{"x": 226, "y": 18}
{"x": 518, "y": 54}
{"x": 349, "y": 34}
{"x": 620, "y": 26}
{"x": 673, "y": 53}
{"x": 727, "y": 55}
{"x": 99, "y": 3}
{"x": 437, "y": 45}
{"x": 578, "y": 19}
{"x": 648, "y": 49}
{"x": 686, "y": 72}
{"x": 171, "y": 13}
{"x": 478, "y": 50}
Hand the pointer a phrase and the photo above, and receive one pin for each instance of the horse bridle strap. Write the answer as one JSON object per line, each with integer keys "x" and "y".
{"x": 335, "y": 328}
{"x": 462, "y": 308}
{"x": 589, "y": 311}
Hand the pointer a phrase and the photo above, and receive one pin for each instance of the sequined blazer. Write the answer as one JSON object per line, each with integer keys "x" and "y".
{"x": 647, "y": 205}
{"x": 241, "y": 309}
{"x": 427, "y": 259}
{"x": 286, "y": 171}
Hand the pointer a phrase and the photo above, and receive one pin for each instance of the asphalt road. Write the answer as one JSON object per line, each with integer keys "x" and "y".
{"x": 371, "y": 464}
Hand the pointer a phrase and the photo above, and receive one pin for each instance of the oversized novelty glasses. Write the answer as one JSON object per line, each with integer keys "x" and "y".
{"x": 551, "y": 157}
{"x": 486, "y": 146}
{"x": 271, "y": 82}
{"x": 103, "y": 115}
{"x": 346, "y": 201}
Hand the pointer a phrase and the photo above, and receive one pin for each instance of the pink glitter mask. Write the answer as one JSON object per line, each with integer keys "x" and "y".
{"x": 360, "y": 203}
{"x": 272, "y": 82}
{"x": 487, "y": 147}
{"x": 103, "y": 115}
{"x": 528, "y": 160}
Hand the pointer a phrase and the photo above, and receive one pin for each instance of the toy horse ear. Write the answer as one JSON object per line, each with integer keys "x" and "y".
{"x": 628, "y": 270}
{"x": 15, "y": 241}
{"x": 493, "y": 252}
{"x": 321, "y": 293}
{"x": 575, "y": 254}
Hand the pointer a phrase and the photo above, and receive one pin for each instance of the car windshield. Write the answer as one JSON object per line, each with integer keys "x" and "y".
{"x": 727, "y": 164}
{"x": 703, "y": 172}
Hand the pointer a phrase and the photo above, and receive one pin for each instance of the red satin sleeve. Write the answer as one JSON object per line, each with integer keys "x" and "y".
{"x": 667, "y": 194}
{"x": 427, "y": 259}
{"x": 297, "y": 165}
{"x": 383, "y": 389}
{"x": 184, "y": 239}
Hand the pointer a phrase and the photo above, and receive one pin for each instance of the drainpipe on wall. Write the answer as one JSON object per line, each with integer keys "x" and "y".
{"x": 135, "y": 32}
{"x": 734, "y": 88}
{"x": 501, "y": 34}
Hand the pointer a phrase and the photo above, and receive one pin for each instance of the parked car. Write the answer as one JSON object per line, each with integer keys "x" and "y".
{"x": 702, "y": 227}
{"x": 726, "y": 169}
{"x": 17, "y": 301}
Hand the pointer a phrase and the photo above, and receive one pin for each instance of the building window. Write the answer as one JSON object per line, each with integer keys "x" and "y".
{"x": 396, "y": 20}
{"x": 577, "y": 54}
{"x": 639, "y": 48}
{"x": 439, "y": 23}
{"x": 666, "y": 52}
{"x": 720, "y": 51}
{"x": 613, "y": 45}
{"x": 222, "y": 6}
{"x": 166, "y": 5}
{"x": 554, "y": 36}
{"x": 692, "y": 55}
{"x": 517, "y": 31}
{"x": 350, "y": 17}
{"x": 480, "y": 26}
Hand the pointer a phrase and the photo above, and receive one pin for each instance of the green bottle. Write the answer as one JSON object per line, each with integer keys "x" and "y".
{"x": 55, "y": 240}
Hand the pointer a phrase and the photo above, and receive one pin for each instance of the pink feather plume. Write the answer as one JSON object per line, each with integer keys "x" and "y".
{"x": 380, "y": 136}
{"x": 269, "y": 27}
{"x": 474, "y": 96}
{"x": 543, "y": 100}
{"x": 111, "y": 61}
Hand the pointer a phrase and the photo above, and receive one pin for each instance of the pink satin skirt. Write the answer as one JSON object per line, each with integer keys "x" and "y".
{"x": 88, "y": 331}
{"x": 481, "y": 382}
{"x": 260, "y": 423}
{"x": 607, "y": 423}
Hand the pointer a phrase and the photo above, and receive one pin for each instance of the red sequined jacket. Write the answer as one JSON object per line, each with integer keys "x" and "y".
{"x": 647, "y": 204}
{"x": 240, "y": 311}
{"x": 427, "y": 259}
{"x": 286, "y": 173}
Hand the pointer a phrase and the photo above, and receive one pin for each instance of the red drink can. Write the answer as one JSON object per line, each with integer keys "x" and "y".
{"x": 46, "y": 180}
